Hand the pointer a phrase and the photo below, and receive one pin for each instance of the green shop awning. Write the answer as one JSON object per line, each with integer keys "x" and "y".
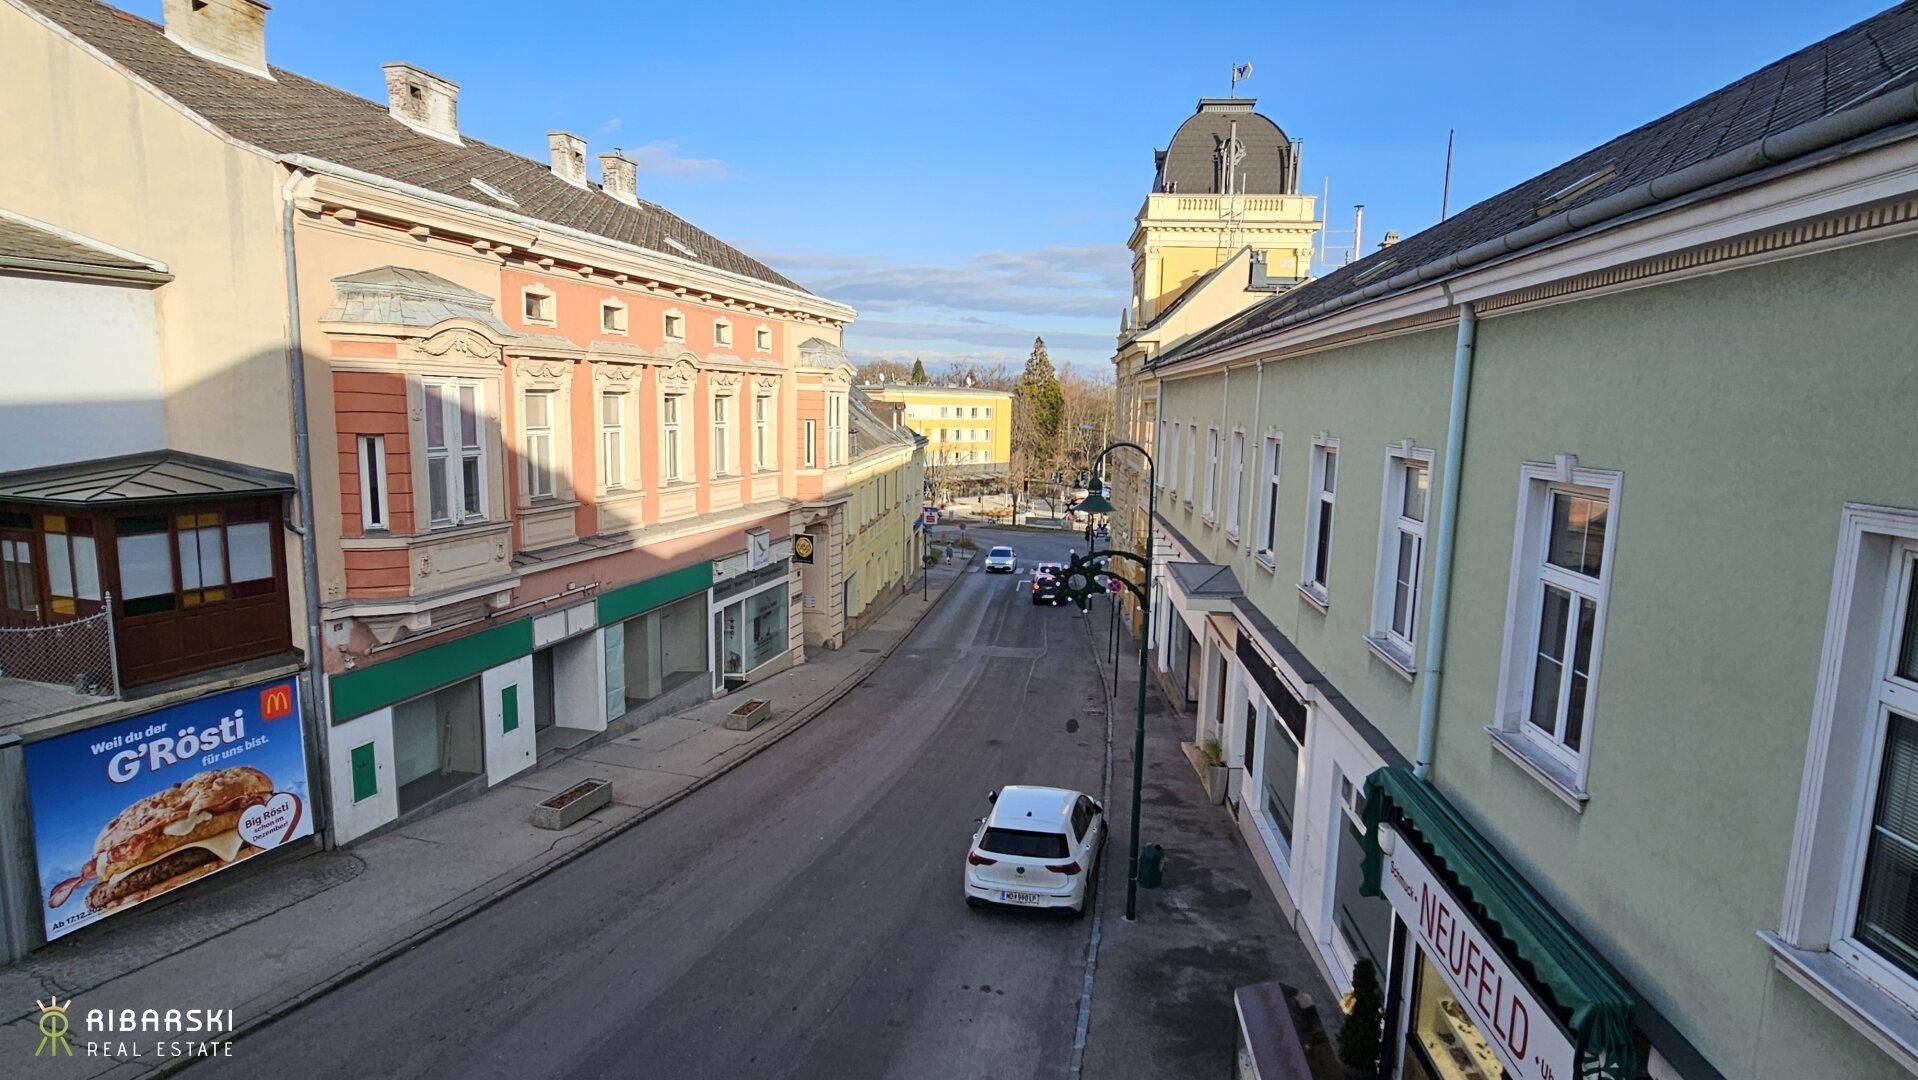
{"x": 1591, "y": 1002}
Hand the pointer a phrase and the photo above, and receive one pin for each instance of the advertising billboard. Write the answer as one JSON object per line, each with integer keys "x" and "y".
{"x": 139, "y": 806}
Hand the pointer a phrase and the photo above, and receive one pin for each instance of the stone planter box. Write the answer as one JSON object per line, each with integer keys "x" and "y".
{"x": 566, "y": 808}
{"x": 1216, "y": 778}
{"x": 748, "y": 715}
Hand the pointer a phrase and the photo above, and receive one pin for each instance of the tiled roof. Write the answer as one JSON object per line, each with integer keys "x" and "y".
{"x": 1875, "y": 57}
{"x": 25, "y": 240}
{"x": 869, "y": 430}
{"x": 1190, "y": 164}
{"x": 295, "y": 115}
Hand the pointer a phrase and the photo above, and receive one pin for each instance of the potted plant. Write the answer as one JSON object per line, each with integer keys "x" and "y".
{"x": 1359, "y": 1038}
{"x": 1216, "y": 772}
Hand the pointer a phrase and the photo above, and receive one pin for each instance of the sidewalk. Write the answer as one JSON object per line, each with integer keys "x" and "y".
{"x": 1162, "y": 991}
{"x": 267, "y": 942}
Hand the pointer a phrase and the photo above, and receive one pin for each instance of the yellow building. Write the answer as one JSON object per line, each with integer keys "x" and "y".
{"x": 1223, "y": 227}
{"x": 963, "y": 425}
{"x": 884, "y": 481}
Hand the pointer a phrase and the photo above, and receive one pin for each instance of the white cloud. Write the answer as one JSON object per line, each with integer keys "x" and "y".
{"x": 1089, "y": 280}
{"x": 662, "y": 157}
{"x": 609, "y": 126}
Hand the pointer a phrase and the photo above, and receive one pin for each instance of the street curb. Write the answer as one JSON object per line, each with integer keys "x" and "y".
{"x": 466, "y": 906}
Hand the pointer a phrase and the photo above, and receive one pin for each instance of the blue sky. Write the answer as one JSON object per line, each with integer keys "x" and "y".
{"x": 966, "y": 176}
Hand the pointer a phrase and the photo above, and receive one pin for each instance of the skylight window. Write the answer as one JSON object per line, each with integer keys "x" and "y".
{"x": 495, "y": 194}
{"x": 1371, "y": 272}
{"x": 679, "y": 247}
{"x": 1550, "y": 204}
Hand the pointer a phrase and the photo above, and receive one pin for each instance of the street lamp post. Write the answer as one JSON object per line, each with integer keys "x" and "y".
{"x": 1086, "y": 573}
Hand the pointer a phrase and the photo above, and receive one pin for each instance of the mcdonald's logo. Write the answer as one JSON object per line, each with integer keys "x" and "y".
{"x": 276, "y": 701}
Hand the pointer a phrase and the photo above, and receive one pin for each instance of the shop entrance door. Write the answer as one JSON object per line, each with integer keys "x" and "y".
{"x": 732, "y": 641}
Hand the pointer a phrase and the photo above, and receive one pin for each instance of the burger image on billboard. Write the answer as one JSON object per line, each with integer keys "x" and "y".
{"x": 142, "y": 805}
{"x": 171, "y": 837}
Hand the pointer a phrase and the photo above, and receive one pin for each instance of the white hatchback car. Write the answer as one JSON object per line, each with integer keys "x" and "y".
{"x": 1001, "y": 560}
{"x": 1038, "y": 848}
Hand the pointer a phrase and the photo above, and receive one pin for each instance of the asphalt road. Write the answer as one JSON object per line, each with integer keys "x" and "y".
{"x": 799, "y": 917}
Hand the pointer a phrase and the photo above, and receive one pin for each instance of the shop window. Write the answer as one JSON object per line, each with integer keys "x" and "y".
{"x": 439, "y": 743}
{"x": 1444, "y": 1043}
{"x": 1316, "y": 578}
{"x": 753, "y": 631}
{"x": 664, "y": 649}
{"x": 1278, "y": 774}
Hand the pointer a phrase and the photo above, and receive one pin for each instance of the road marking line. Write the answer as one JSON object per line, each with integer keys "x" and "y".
{"x": 1076, "y": 1067}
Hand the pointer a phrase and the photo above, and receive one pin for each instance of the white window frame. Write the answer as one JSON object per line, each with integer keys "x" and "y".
{"x": 1562, "y": 771}
{"x": 722, "y": 333}
{"x": 1234, "y": 495}
{"x": 1271, "y": 459}
{"x": 1209, "y": 502}
{"x": 810, "y": 445}
{"x": 533, "y": 470}
{"x": 1398, "y": 645}
{"x": 548, "y": 314}
{"x": 375, "y": 495}
{"x": 1320, "y": 502}
{"x": 672, "y": 324}
{"x": 453, "y": 455}
{"x": 765, "y": 434}
{"x": 672, "y": 438}
{"x": 612, "y": 440}
{"x": 1165, "y": 452}
{"x": 835, "y": 429}
{"x": 621, "y": 316}
{"x": 1191, "y": 463}
{"x": 722, "y": 425}
{"x": 1814, "y": 945}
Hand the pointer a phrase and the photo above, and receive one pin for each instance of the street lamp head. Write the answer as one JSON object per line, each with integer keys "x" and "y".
{"x": 1095, "y": 501}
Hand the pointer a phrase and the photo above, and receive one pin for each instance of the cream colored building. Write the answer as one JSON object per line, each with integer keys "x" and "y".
{"x": 1223, "y": 227}
{"x": 883, "y": 543}
{"x": 965, "y": 426}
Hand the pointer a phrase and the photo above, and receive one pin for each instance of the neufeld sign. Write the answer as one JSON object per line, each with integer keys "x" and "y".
{"x": 1519, "y": 1026}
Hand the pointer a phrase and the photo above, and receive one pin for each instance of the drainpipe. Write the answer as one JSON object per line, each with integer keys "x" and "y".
{"x": 1447, "y": 527}
{"x": 318, "y": 758}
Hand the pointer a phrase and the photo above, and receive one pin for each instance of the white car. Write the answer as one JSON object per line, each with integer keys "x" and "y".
{"x": 1001, "y": 560}
{"x": 1039, "y": 848}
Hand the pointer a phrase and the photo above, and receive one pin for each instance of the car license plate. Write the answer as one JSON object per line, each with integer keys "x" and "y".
{"x": 1019, "y": 897}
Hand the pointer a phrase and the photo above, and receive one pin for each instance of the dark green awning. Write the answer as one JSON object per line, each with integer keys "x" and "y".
{"x": 1593, "y": 1004}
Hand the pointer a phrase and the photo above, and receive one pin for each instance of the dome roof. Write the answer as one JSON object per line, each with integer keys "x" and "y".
{"x": 1194, "y": 163}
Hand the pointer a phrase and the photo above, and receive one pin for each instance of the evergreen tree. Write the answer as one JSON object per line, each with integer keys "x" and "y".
{"x": 1359, "y": 1039}
{"x": 918, "y": 376}
{"x": 1038, "y": 396}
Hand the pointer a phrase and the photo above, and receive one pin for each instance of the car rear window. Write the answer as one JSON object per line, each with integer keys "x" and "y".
{"x": 1029, "y": 845}
{"x": 1001, "y": 551}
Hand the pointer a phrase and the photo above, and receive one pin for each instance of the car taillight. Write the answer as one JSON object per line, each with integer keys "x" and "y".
{"x": 977, "y": 859}
{"x": 1067, "y": 869}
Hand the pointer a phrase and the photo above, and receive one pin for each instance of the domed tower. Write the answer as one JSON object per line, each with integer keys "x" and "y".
{"x": 1228, "y": 180}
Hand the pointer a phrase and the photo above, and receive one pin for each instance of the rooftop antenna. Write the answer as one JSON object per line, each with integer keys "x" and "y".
{"x": 1445, "y": 197}
{"x": 1240, "y": 71}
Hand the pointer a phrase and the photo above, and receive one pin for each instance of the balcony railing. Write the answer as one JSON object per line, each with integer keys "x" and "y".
{"x": 56, "y": 668}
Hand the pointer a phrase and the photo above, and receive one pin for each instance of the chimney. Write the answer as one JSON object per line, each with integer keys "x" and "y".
{"x": 230, "y": 32}
{"x": 617, "y": 177}
{"x": 1391, "y": 237}
{"x": 569, "y": 156}
{"x": 423, "y": 101}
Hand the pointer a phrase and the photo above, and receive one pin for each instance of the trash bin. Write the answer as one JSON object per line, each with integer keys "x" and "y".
{"x": 1151, "y": 866}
